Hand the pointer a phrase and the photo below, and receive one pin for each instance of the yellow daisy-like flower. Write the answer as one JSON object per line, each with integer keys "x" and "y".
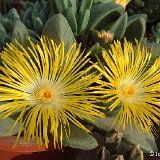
{"x": 48, "y": 87}
{"x": 122, "y": 2}
{"x": 132, "y": 84}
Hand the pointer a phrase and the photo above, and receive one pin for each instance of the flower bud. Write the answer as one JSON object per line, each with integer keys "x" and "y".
{"x": 113, "y": 140}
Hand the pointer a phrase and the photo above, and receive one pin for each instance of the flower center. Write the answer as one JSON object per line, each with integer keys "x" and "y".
{"x": 45, "y": 94}
{"x": 129, "y": 91}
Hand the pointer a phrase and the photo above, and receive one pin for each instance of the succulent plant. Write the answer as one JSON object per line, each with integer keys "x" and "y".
{"x": 58, "y": 29}
{"x": 156, "y": 32}
{"x": 112, "y": 147}
{"x": 132, "y": 137}
{"x": 7, "y": 25}
{"x": 150, "y": 7}
{"x": 34, "y": 16}
{"x": 87, "y": 20}
{"x": 97, "y": 23}
{"x": 90, "y": 15}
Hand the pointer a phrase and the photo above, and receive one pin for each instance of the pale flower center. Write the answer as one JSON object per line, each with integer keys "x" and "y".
{"x": 45, "y": 95}
{"x": 129, "y": 91}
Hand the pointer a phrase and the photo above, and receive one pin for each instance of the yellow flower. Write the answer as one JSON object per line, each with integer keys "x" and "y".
{"x": 131, "y": 84}
{"x": 49, "y": 88}
{"x": 122, "y": 2}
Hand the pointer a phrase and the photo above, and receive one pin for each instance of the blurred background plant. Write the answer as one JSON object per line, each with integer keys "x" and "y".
{"x": 152, "y": 9}
{"x": 6, "y": 5}
{"x": 149, "y": 7}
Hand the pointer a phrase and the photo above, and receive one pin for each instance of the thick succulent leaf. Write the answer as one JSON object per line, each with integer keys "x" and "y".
{"x": 37, "y": 6}
{"x": 119, "y": 27}
{"x": 79, "y": 139}
{"x": 6, "y": 125}
{"x": 20, "y": 33}
{"x": 43, "y": 4}
{"x": 43, "y": 16}
{"x": 147, "y": 142}
{"x": 27, "y": 15}
{"x": 4, "y": 38}
{"x": 36, "y": 21}
{"x": 133, "y": 136}
{"x": 29, "y": 24}
{"x": 155, "y": 48}
{"x": 135, "y": 29}
{"x": 7, "y": 23}
{"x": 85, "y": 4}
{"x": 73, "y": 4}
{"x": 2, "y": 29}
{"x": 61, "y": 5}
{"x": 83, "y": 22}
{"x": 38, "y": 25}
{"x": 35, "y": 14}
{"x": 95, "y": 35}
{"x": 96, "y": 49}
{"x": 13, "y": 15}
{"x": 136, "y": 16}
{"x": 53, "y": 6}
{"x": 58, "y": 29}
{"x": 28, "y": 4}
{"x": 104, "y": 13}
{"x": 71, "y": 18}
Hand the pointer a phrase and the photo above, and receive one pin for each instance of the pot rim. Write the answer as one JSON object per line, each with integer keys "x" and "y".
{"x": 7, "y": 144}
